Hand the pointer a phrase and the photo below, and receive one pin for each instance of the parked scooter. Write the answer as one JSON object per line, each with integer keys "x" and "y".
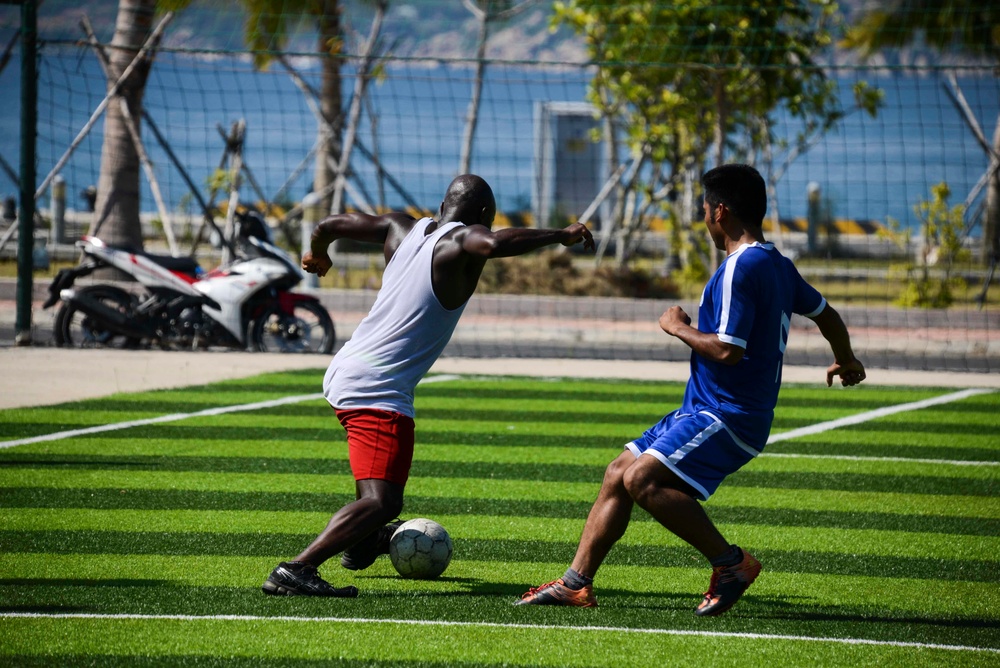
{"x": 247, "y": 303}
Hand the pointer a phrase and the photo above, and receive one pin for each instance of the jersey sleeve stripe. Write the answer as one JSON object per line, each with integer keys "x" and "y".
{"x": 819, "y": 309}
{"x": 726, "y": 338}
{"x": 727, "y": 291}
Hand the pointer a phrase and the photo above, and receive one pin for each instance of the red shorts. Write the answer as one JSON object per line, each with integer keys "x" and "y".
{"x": 379, "y": 443}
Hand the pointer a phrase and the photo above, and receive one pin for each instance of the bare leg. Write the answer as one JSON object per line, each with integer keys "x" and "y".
{"x": 378, "y": 502}
{"x": 608, "y": 518}
{"x": 661, "y": 493}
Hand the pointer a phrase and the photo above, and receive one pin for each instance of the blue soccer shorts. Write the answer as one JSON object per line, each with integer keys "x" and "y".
{"x": 698, "y": 447}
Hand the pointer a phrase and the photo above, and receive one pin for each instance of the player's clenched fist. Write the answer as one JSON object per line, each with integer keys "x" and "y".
{"x": 672, "y": 317}
{"x": 316, "y": 264}
{"x": 578, "y": 232}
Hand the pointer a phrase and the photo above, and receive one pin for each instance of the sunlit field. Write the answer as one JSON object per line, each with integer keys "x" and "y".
{"x": 146, "y": 544}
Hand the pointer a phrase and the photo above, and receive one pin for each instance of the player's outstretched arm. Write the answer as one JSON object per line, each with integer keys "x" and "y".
{"x": 846, "y": 365}
{"x": 356, "y": 226}
{"x": 482, "y": 242}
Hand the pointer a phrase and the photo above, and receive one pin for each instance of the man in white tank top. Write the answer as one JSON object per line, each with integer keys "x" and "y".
{"x": 432, "y": 268}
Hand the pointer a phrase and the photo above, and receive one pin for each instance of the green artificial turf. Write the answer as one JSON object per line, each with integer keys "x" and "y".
{"x": 147, "y": 545}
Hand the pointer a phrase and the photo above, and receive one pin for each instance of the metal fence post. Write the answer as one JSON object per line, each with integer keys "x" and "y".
{"x": 26, "y": 222}
{"x": 58, "y": 211}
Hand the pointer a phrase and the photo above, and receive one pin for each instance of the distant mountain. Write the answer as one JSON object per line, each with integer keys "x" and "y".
{"x": 426, "y": 29}
{"x": 419, "y": 29}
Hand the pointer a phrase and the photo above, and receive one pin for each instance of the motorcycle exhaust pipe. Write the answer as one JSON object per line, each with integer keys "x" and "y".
{"x": 111, "y": 318}
{"x": 65, "y": 278}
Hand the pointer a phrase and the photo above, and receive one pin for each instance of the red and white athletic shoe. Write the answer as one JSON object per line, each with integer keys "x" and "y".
{"x": 557, "y": 593}
{"x": 727, "y": 585}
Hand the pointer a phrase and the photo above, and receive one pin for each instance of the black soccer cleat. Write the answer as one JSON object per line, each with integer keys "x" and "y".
{"x": 291, "y": 578}
{"x": 363, "y": 554}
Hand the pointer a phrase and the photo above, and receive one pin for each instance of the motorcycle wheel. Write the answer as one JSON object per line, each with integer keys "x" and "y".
{"x": 307, "y": 329}
{"x": 76, "y": 329}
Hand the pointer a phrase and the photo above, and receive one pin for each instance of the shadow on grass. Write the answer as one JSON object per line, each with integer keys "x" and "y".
{"x": 492, "y": 604}
{"x": 482, "y": 600}
{"x": 81, "y": 582}
{"x": 470, "y": 586}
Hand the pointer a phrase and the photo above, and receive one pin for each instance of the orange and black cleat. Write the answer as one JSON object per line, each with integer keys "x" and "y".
{"x": 727, "y": 585}
{"x": 557, "y": 593}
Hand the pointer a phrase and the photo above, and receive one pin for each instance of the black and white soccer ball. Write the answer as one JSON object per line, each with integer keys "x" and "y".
{"x": 420, "y": 549}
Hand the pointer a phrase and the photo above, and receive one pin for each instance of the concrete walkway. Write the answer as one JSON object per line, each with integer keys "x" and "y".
{"x": 505, "y": 335}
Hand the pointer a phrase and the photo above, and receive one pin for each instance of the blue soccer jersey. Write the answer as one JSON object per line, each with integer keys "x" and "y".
{"x": 749, "y": 302}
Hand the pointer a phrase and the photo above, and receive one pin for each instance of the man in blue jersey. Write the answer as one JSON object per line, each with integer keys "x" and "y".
{"x": 725, "y": 418}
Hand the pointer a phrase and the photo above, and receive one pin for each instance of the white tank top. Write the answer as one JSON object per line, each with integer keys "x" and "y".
{"x": 401, "y": 337}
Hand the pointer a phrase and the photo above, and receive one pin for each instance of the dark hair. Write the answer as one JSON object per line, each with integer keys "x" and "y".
{"x": 741, "y": 188}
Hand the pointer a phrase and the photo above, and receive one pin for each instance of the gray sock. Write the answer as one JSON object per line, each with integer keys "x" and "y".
{"x": 730, "y": 557}
{"x": 574, "y": 580}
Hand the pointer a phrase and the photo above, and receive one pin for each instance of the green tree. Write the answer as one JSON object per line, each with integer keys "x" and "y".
{"x": 942, "y": 228}
{"x": 682, "y": 82}
{"x": 969, "y": 27}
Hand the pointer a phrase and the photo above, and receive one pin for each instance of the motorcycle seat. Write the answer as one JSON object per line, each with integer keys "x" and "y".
{"x": 184, "y": 265}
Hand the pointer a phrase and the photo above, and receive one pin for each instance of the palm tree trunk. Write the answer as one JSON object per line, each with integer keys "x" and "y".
{"x": 117, "y": 208}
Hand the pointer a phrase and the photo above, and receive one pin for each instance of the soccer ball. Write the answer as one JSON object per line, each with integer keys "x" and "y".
{"x": 420, "y": 549}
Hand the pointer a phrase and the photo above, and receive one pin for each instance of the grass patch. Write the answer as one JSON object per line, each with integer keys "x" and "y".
{"x": 148, "y": 545}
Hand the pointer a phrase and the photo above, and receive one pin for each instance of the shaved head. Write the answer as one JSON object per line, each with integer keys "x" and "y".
{"x": 469, "y": 200}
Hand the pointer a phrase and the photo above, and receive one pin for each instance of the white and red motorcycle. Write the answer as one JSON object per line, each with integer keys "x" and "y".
{"x": 246, "y": 304}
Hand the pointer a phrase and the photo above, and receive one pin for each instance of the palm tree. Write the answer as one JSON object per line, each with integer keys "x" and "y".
{"x": 117, "y": 206}
{"x": 126, "y": 68}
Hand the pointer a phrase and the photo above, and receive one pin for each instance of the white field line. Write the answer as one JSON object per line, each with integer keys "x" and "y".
{"x": 861, "y": 458}
{"x": 498, "y": 625}
{"x": 173, "y": 417}
{"x": 783, "y": 436}
{"x": 875, "y": 414}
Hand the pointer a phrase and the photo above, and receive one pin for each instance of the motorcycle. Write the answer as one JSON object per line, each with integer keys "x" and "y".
{"x": 245, "y": 304}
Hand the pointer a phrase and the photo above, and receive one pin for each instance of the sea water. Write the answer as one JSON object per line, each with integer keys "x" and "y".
{"x": 414, "y": 116}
